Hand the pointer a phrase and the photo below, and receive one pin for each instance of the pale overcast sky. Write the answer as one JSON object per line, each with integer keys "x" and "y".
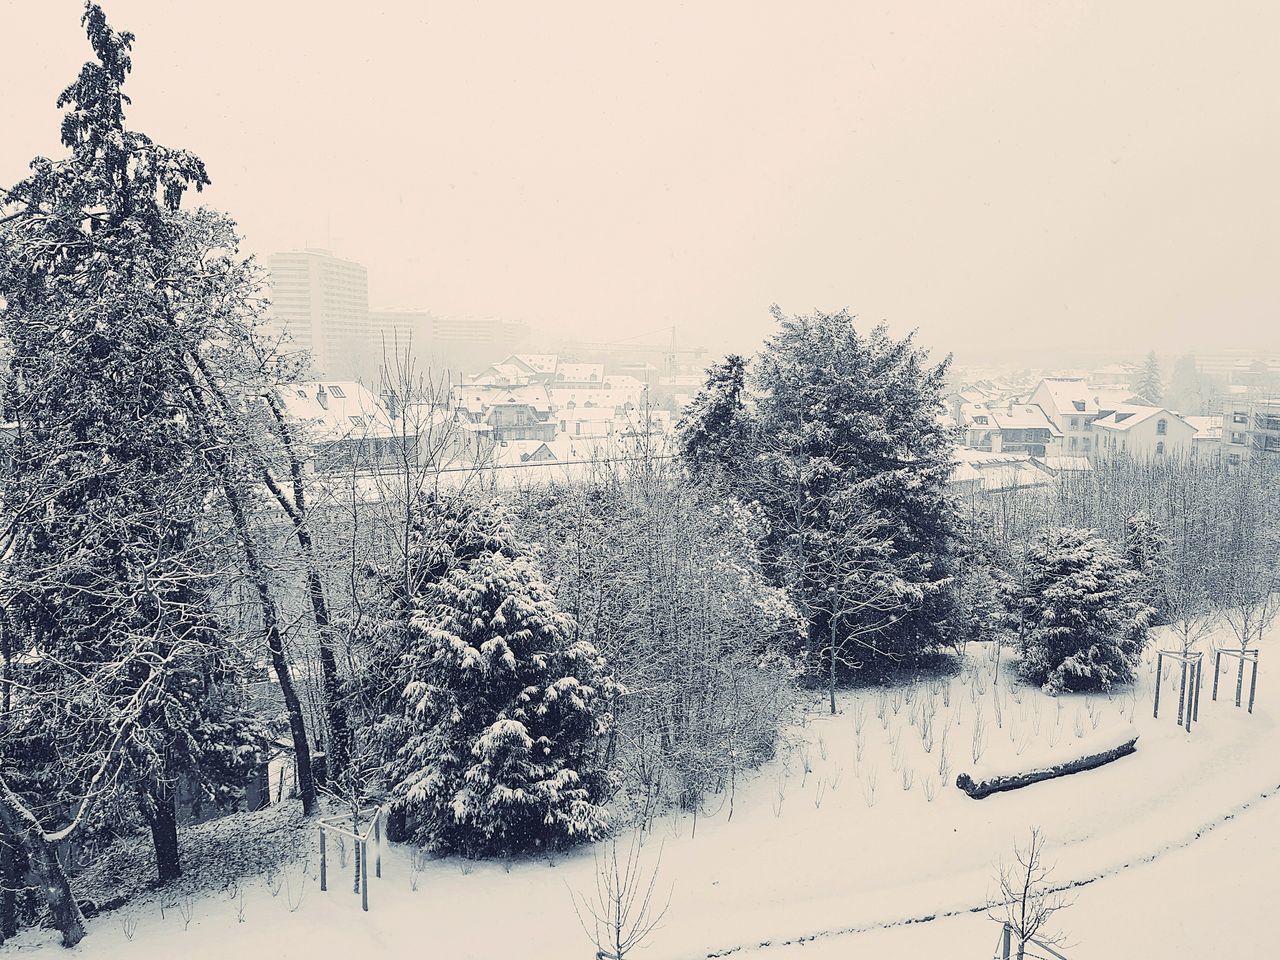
{"x": 1002, "y": 175}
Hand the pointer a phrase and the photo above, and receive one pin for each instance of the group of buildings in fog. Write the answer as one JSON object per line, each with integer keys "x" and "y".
{"x": 509, "y": 403}
{"x": 1012, "y": 433}
{"x": 506, "y": 404}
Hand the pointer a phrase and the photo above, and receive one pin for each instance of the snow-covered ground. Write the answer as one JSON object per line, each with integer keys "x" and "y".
{"x": 813, "y": 850}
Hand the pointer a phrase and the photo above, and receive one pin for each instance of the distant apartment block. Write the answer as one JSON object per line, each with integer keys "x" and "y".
{"x": 402, "y": 330}
{"x": 322, "y": 302}
{"x": 1250, "y": 428}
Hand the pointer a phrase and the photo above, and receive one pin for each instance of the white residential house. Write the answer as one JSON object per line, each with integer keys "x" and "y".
{"x": 1074, "y": 406}
{"x": 1143, "y": 433}
{"x": 1010, "y": 428}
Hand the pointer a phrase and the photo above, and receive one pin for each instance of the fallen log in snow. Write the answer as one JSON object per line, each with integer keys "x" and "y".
{"x": 996, "y": 784}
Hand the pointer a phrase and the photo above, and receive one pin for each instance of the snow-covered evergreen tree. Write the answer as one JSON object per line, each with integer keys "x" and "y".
{"x": 111, "y": 300}
{"x": 1082, "y": 617}
{"x": 491, "y": 740}
{"x": 712, "y": 430}
{"x": 1150, "y": 386}
{"x": 835, "y": 423}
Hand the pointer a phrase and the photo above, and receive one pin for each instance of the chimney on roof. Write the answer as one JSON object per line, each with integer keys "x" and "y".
{"x": 322, "y": 397}
{"x": 392, "y": 403}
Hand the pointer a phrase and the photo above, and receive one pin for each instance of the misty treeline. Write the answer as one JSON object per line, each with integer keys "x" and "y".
{"x": 183, "y": 594}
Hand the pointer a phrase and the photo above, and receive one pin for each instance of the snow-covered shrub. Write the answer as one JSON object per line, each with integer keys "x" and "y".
{"x": 490, "y": 741}
{"x": 1082, "y": 620}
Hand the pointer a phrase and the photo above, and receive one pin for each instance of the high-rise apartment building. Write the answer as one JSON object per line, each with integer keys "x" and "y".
{"x": 322, "y": 301}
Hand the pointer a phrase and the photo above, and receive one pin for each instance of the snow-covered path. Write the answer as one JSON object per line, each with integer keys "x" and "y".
{"x": 1167, "y": 908}
{"x": 817, "y": 851}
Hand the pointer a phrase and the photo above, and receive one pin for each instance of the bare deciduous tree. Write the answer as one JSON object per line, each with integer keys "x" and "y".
{"x": 1026, "y": 900}
{"x": 622, "y": 912}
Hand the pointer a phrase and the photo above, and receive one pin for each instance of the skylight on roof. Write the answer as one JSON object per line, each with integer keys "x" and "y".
{"x": 337, "y": 391}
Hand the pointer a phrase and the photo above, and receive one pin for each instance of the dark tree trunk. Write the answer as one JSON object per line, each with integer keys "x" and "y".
{"x": 275, "y": 645}
{"x": 397, "y": 825}
{"x": 335, "y": 715}
{"x": 42, "y": 859}
{"x": 163, "y": 820}
{"x": 10, "y": 875}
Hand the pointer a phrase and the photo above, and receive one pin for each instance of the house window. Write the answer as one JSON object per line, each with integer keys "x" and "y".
{"x": 1073, "y": 443}
{"x": 1233, "y": 459}
{"x": 1237, "y": 437}
{"x": 1239, "y": 417}
{"x": 1086, "y": 443}
{"x": 1075, "y": 423}
{"x": 1162, "y": 428}
{"x": 302, "y": 394}
{"x": 337, "y": 391}
{"x": 1160, "y": 447}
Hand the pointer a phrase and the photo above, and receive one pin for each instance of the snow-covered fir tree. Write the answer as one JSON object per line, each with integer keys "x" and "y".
{"x": 1080, "y": 615}
{"x": 1150, "y": 386}
{"x": 835, "y": 433}
{"x": 491, "y": 742}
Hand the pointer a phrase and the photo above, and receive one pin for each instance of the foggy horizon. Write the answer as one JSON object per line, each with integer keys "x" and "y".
{"x": 1007, "y": 180}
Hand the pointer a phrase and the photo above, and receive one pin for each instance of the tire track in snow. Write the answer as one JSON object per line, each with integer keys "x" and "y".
{"x": 1170, "y": 847}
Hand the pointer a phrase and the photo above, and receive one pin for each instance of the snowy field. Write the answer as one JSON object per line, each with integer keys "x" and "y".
{"x": 856, "y": 826}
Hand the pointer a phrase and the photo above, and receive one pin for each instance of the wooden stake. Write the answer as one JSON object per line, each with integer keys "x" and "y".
{"x": 364, "y": 875}
{"x": 324, "y": 876}
{"x": 377, "y": 843}
{"x": 1217, "y": 669}
{"x": 1199, "y": 675}
{"x": 1188, "y": 710}
{"x": 1253, "y": 681}
{"x": 1183, "y": 705}
{"x": 1159, "y": 671}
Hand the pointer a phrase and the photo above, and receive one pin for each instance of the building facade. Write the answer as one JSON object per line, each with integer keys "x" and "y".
{"x": 1250, "y": 428}
{"x": 1143, "y": 433}
{"x": 1074, "y": 405}
{"x": 322, "y": 303}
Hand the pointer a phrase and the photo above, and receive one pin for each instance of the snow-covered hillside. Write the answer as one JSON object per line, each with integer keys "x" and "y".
{"x": 857, "y": 825}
